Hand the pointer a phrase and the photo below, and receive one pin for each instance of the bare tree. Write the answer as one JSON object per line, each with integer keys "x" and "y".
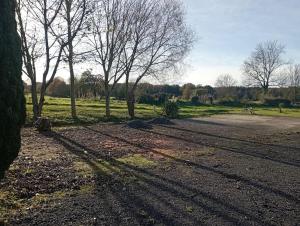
{"x": 159, "y": 40}
{"x": 225, "y": 80}
{"x": 293, "y": 77}
{"x": 262, "y": 66}
{"x": 36, "y": 18}
{"x": 109, "y": 35}
{"x": 31, "y": 50}
{"x": 72, "y": 14}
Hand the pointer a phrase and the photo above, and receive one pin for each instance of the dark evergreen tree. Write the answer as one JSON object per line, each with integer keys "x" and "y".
{"x": 12, "y": 101}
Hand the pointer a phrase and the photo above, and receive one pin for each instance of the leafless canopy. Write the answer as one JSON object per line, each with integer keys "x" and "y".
{"x": 126, "y": 38}
{"x": 225, "y": 80}
{"x": 71, "y": 27}
{"x": 137, "y": 38}
{"x": 293, "y": 79}
{"x": 109, "y": 35}
{"x": 47, "y": 29}
{"x": 294, "y": 75}
{"x": 159, "y": 40}
{"x": 109, "y": 25}
{"x": 262, "y": 68}
{"x": 36, "y": 19}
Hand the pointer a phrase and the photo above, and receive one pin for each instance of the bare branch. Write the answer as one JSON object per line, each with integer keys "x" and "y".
{"x": 262, "y": 67}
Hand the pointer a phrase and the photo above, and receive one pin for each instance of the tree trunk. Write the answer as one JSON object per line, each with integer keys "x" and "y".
{"x": 295, "y": 94}
{"x": 72, "y": 82}
{"x": 35, "y": 104}
{"x": 107, "y": 101}
{"x": 211, "y": 100}
{"x": 265, "y": 90}
{"x": 12, "y": 101}
{"x": 40, "y": 107}
{"x": 107, "y": 105}
{"x": 71, "y": 59}
{"x": 42, "y": 100}
{"x": 131, "y": 104}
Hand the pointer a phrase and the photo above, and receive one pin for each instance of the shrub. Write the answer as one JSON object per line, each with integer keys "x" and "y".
{"x": 161, "y": 98}
{"x": 12, "y": 101}
{"x": 146, "y": 99}
{"x": 170, "y": 109}
{"x": 229, "y": 102}
{"x": 274, "y": 102}
{"x": 195, "y": 100}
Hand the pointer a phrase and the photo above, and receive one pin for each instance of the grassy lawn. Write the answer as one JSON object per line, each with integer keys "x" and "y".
{"x": 92, "y": 111}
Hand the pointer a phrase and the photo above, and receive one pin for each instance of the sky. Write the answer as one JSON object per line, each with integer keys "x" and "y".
{"x": 227, "y": 31}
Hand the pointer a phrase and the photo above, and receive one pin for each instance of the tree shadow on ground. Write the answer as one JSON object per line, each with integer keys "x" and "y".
{"x": 248, "y": 182}
{"x": 247, "y": 152}
{"x": 197, "y": 120}
{"x": 161, "y": 199}
{"x": 229, "y": 138}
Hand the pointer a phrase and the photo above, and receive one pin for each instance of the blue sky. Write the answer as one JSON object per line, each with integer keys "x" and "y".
{"x": 228, "y": 30}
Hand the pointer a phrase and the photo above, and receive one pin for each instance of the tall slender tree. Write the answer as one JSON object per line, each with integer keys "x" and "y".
{"x": 159, "y": 40}
{"x": 110, "y": 27}
{"x": 12, "y": 101}
{"x": 72, "y": 15}
{"x": 40, "y": 47}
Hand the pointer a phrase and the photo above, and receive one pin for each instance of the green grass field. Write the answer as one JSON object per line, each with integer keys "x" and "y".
{"x": 92, "y": 111}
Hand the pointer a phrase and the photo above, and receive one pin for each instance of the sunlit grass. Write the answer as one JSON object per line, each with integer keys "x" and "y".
{"x": 93, "y": 111}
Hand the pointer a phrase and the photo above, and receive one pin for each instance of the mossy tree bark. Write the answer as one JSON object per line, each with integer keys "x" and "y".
{"x": 12, "y": 101}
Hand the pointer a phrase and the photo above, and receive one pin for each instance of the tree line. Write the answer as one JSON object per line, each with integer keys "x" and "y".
{"x": 225, "y": 91}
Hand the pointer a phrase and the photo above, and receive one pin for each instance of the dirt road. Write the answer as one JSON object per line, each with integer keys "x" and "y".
{"x": 222, "y": 170}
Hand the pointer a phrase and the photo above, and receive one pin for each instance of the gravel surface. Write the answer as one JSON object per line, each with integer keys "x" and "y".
{"x": 223, "y": 170}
